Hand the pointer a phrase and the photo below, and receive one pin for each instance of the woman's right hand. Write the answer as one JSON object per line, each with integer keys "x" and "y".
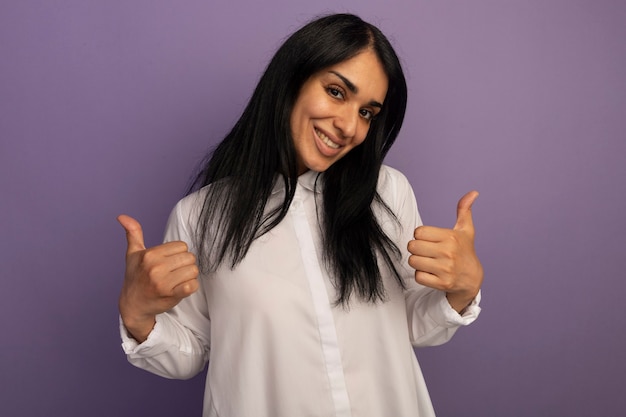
{"x": 156, "y": 279}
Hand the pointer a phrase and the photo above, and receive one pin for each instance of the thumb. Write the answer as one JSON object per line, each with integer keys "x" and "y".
{"x": 464, "y": 211}
{"x": 134, "y": 234}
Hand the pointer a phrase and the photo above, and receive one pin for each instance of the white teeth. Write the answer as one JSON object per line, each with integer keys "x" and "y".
{"x": 326, "y": 140}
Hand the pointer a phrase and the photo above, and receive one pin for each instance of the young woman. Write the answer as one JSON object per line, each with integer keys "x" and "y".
{"x": 298, "y": 267}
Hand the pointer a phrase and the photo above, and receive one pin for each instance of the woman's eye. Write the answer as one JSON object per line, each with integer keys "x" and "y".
{"x": 366, "y": 114}
{"x": 334, "y": 92}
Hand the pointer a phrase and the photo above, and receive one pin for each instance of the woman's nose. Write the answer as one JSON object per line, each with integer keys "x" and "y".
{"x": 346, "y": 122}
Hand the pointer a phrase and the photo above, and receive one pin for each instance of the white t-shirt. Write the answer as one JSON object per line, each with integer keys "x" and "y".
{"x": 276, "y": 343}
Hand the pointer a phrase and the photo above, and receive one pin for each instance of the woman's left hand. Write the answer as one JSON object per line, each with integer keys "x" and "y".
{"x": 445, "y": 259}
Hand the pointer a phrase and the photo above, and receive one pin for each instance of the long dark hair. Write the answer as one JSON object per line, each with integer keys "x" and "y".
{"x": 243, "y": 168}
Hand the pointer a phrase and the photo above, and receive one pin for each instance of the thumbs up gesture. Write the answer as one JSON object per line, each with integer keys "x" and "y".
{"x": 156, "y": 279}
{"x": 445, "y": 259}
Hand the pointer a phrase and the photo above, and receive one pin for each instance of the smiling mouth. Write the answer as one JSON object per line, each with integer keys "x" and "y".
{"x": 327, "y": 140}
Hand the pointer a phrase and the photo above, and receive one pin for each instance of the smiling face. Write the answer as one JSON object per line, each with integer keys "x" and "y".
{"x": 334, "y": 109}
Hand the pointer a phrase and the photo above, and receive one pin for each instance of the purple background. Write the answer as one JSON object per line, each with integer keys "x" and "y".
{"x": 106, "y": 107}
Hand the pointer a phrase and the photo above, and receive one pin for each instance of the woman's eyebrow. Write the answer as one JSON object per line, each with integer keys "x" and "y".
{"x": 347, "y": 82}
{"x": 354, "y": 88}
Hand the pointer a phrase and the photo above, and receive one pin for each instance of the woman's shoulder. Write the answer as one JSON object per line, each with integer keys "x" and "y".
{"x": 192, "y": 200}
{"x": 186, "y": 211}
{"x": 397, "y": 193}
{"x": 391, "y": 180}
